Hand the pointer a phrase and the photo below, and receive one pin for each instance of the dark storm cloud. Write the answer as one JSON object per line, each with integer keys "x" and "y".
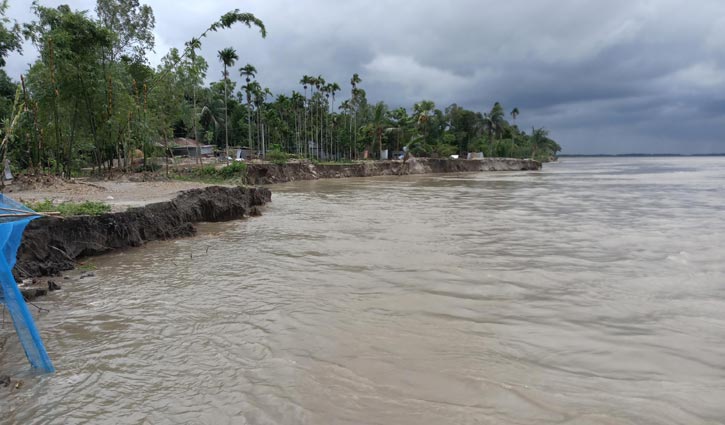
{"x": 617, "y": 76}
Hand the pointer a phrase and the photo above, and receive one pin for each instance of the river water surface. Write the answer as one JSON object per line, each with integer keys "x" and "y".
{"x": 592, "y": 292}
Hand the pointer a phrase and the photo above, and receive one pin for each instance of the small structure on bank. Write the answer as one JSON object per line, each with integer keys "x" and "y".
{"x": 13, "y": 219}
{"x": 182, "y": 146}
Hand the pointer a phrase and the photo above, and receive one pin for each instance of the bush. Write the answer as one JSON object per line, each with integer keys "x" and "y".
{"x": 444, "y": 150}
{"x": 277, "y": 157}
{"x": 235, "y": 169}
{"x": 232, "y": 171}
{"x": 206, "y": 171}
{"x": 70, "y": 208}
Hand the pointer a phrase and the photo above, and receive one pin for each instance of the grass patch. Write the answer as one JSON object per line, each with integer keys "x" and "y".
{"x": 70, "y": 208}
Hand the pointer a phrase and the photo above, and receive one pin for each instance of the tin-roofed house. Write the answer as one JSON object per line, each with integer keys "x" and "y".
{"x": 191, "y": 148}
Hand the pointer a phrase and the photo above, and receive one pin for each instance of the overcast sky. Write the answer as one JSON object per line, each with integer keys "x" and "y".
{"x": 614, "y": 76}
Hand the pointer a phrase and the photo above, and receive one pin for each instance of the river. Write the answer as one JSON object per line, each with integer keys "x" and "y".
{"x": 591, "y": 292}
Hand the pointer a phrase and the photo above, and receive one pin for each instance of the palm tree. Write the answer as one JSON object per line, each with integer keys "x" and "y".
{"x": 248, "y": 71}
{"x": 354, "y": 81}
{"x": 260, "y": 96}
{"x": 333, "y": 88}
{"x": 227, "y": 56}
{"x": 493, "y": 123}
{"x": 319, "y": 83}
{"x": 423, "y": 111}
{"x": 514, "y": 114}
{"x": 378, "y": 124}
{"x": 306, "y": 81}
{"x": 540, "y": 141}
{"x": 297, "y": 103}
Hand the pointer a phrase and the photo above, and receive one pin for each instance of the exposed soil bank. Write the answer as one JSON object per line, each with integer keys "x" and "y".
{"x": 51, "y": 245}
{"x": 267, "y": 173}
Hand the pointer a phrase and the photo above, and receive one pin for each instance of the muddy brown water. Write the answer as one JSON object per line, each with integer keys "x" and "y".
{"x": 592, "y": 292}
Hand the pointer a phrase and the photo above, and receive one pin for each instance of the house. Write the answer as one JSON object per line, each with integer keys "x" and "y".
{"x": 182, "y": 146}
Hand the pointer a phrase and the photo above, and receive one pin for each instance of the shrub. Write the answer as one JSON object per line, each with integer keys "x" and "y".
{"x": 206, "y": 171}
{"x": 235, "y": 169}
{"x": 277, "y": 157}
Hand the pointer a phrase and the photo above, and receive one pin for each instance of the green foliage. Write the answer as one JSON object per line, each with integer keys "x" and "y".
{"x": 70, "y": 208}
{"x": 9, "y": 34}
{"x": 132, "y": 25}
{"x": 443, "y": 150}
{"x": 236, "y": 171}
{"x": 233, "y": 170}
{"x": 235, "y": 16}
{"x": 92, "y": 100}
{"x": 277, "y": 156}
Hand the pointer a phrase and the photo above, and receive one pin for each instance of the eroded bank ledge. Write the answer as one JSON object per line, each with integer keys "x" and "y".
{"x": 51, "y": 245}
{"x": 268, "y": 173}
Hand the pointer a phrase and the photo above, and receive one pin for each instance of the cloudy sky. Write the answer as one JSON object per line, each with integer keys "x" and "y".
{"x": 604, "y": 77}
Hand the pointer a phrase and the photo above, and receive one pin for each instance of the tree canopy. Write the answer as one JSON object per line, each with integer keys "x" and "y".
{"x": 92, "y": 99}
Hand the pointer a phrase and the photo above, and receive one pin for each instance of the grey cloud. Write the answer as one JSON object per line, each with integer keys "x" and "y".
{"x": 604, "y": 77}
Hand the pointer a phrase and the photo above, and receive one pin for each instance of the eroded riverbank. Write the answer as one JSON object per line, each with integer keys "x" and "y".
{"x": 269, "y": 173}
{"x": 51, "y": 245}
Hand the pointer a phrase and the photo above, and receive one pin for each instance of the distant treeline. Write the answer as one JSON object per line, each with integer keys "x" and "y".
{"x": 91, "y": 98}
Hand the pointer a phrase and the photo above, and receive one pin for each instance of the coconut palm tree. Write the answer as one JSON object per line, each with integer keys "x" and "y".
{"x": 378, "y": 124}
{"x": 493, "y": 123}
{"x": 227, "y": 56}
{"x": 423, "y": 111}
{"x": 514, "y": 114}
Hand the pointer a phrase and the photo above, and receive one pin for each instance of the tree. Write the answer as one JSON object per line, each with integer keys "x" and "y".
{"x": 330, "y": 90}
{"x": 306, "y": 81}
{"x": 248, "y": 71}
{"x": 197, "y": 67}
{"x": 9, "y": 34}
{"x": 70, "y": 85}
{"x": 378, "y": 124}
{"x": 227, "y": 56}
{"x": 354, "y": 81}
{"x": 542, "y": 144}
{"x": 493, "y": 122}
{"x": 132, "y": 25}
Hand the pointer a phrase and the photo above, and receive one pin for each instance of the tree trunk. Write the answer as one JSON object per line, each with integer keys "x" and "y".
{"x": 226, "y": 118}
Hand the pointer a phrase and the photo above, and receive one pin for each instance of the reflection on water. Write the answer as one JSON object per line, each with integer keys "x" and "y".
{"x": 592, "y": 292}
